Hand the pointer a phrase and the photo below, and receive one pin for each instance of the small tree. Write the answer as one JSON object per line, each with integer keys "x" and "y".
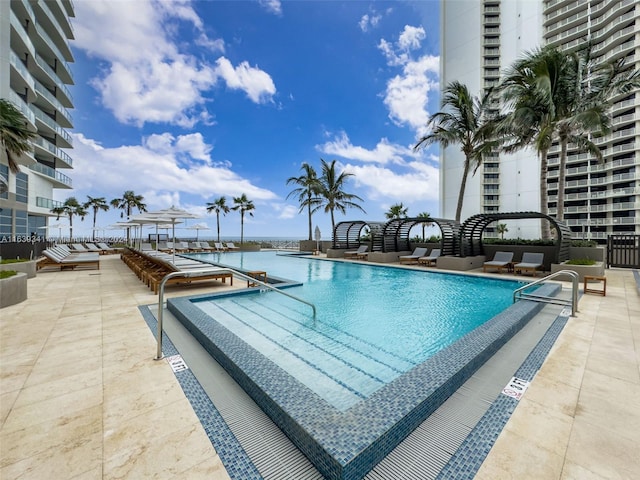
{"x": 243, "y": 204}
{"x": 397, "y": 211}
{"x": 70, "y": 208}
{"x": 219, "y": 206}
{"x": 307, "y": 191}
{"x": 127, "y": 203}
{"x": 426, "y": 223}
{"x": 501, "y": 228}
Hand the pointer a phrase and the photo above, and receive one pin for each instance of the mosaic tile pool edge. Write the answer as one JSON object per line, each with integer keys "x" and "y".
{"x": 339, "y": 452}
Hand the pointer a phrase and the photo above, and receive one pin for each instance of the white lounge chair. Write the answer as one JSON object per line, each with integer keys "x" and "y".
{"x": 78, "y": 247}
{"x": 219, "y": 247}
{"x": 431, "y": 258}
{"x": 106, "y": 248}
{"x": 354, "y": 253}
{"x": 231, "y": 246}
{"x": 531, "y": 262}
{"x": 58, "y": 257}
{"x": 501, "y": 261}
{"x": 205, "y": 246}
{"x": 413, "y": 258}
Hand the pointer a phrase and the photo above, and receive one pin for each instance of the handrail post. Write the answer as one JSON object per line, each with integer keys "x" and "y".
{"x": 574, "y": 288}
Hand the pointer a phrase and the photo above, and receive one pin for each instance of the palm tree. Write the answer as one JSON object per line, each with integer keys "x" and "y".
{"x": 127, "y": 203}
{"x": 70, "y": 207}
{"x": 426, "y": 223}
{"x": 243, "y": 204}
{"x": 563, "y": 97}
{"x": 396, "y": 211}
{"x": 219, "y": 206}
{"x": 463, "y": 120}
{"x": 95, "y": 203}
{"x": 332, "y": 194}
{"x": 307, "y": 191}
{"x": 501, "y": 228}
{"x": 14, "y": 134}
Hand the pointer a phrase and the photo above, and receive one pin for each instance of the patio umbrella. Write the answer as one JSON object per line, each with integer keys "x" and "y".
{"x": 317, "y": 236}
{"x": 159, "y": 222}
{"x": 172, "y": 215}
{"x": 125, "y": 225}
{"x": 197, "y": 227}
{"x": 59, "y": 226}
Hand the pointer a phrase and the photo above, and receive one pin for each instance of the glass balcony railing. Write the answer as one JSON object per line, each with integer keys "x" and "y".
{"x": 51, "y": 173}
{"x": 62, "y": 43}
{"x": 44, "y": 92}
{"x": 53, "y": 150}
{"x": 46, "y": 119}
{"x": 23, "y": 107}
{"x": 47, "y": 203}
{"x": 22, "y": 33}
{"x": 54, "y": 77}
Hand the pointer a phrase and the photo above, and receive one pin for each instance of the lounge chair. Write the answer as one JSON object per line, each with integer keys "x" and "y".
{"x": 194, "y": 247}
{"x": 354, "y": 253}
{"x": 147, "y": 247}
{"x": 92, "y": 247}
{"x": 431, "y": 258}
{"x": 106, "y": 248}
{"x": 58, "y": 257}
{"x": 501, "y": 261}
{"x": 219, "y": 247}
{"x": 531, "y": 262}
{"x": 205, "y": 246}
{"x": 231, "y": 246}
{"x": 78, "y": 247}
{"x": 413, "y": 258}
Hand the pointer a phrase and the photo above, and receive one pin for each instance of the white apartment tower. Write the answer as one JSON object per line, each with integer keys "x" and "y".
{"x": 34, "y": 76}
{"x": 480, "y": 38}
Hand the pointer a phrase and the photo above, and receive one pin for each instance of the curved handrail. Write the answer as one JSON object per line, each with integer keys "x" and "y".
{"x": 202, "y": 273}
{"x": 574, "y": 290}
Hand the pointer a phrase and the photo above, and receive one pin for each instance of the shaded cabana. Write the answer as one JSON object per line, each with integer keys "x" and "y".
{"x": 471, "y": 232}
{"x": 347, "y": 234}
{"x": 396, "y": 234}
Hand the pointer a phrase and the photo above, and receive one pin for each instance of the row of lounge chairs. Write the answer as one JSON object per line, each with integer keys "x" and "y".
{"x": 151, "y": 267}
{"x": 61, "y": 257}
{"x": 503, "y": 261}
{"x": 98, "y": 247}
{"x": 189, "y": 247}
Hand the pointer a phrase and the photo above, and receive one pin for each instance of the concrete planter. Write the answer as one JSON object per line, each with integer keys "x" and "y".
{"x": 13, "y": 290}
{"x": 596, "y": 270}
{"x": 249, "y": 247}
{"x": 25, "y": 267}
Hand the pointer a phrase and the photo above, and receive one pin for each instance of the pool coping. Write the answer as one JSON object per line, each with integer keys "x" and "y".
{"x": 346, "y": 445}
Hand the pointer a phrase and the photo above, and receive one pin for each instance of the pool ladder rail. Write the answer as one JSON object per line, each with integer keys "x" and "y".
{"x": 573, "y": 302}
{"x": 201, "y": 273}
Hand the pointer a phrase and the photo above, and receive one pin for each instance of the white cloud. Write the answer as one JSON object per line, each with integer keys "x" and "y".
{"x": 383, "y": 153}
{"x": 145, "y": 76}
{"x": 407, "y": 93}
{"x": 272, "y": 6}
{"x": 157, "y": 169}
{"x": 369, "y": 21}
{"x": 257, "y": 84}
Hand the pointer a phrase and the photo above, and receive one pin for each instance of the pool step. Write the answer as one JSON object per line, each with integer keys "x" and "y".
{"x": 296, "y": 349}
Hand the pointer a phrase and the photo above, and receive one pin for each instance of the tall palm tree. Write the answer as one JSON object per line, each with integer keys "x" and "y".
{"x": 127, "y": 203}
{"x": 501, "y": 228}
{"x": 397, "y": 211}
{"x": 426, "y": 223}
{"x": 307, "y": 191}
{"x": 219, "y": 206}
{"x": 95, "y": 203}
{"x": 70, "y": 208}
{"x": 245, "y": 205}
{"x": 564, "y": 97}
{"x": 14, "y": 134}
{"x": 463, "y": 120}
{"x": 332, "y": 194}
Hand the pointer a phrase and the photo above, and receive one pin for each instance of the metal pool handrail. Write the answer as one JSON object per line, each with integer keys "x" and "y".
{"x": 517, "y": 294}
{"x": 202, "y": 273}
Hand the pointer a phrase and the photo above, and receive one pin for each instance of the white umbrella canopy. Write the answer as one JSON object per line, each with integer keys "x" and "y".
{"x": 59, "y": 226}
{"x": 173, "y": 215}
{"x": 197, "y": 227}
{"x": 159, "y": 222}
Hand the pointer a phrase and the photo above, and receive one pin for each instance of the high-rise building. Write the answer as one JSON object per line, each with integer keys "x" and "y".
{"x": 34, "y": 76}
{"x": 479, "y": 39}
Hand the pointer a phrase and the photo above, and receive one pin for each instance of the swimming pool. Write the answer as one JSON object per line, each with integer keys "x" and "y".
{"x": 373, "y": 323}
{"x": 346, "y": 442}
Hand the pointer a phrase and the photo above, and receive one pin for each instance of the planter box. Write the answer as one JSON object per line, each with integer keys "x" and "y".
{"x": 25, "y": 267}
{"x": 460, "y": 264}
{"x": 596, "y": 270}
{"x": 13, "y": 290}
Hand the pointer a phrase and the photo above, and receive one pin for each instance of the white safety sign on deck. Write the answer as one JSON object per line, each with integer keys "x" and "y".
{"x": 177, "y": 363}
{"x": 516, "y": 388}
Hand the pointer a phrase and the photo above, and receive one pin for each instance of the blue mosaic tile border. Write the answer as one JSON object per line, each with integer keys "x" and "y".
{"x": 234, "y": 458}
{"x": 636, "y": 275}
{"x": 346, "y": 445}
{"x": 465, "y": 463}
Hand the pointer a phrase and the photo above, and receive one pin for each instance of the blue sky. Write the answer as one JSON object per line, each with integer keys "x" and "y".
{"x": 186, "y": 101}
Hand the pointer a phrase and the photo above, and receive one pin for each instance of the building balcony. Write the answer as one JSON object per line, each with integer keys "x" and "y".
{"x": 567, "y": 22}
{"x": 613, "y": 40}
{"x": 47, "y": 203}
{"x": 20, "y": 78}
{"x": 45, "y": 149}
{"x": 46, "y": 124}
{"x": 49, "y": 21}
{"x": 59, "y": 180}
{"x": 20, "y": 40}
{"x": 562, "y": 12}
{"x": 64, "y": 117}
{"x": 616, "y": 192}
{"x": 62, "y": 91}
{"x": 615, "y": 18}
{"x": 24, "y": 109}
{"x": 44, "y": 43}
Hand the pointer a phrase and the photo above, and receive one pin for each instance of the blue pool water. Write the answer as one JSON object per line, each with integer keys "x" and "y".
{"x": 373, "y": 323}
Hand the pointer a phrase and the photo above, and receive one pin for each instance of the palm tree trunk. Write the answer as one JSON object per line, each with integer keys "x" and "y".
{"x": 218, "y": 225}
{"x": 310, "y": 223}
{"x": 333, "y": 224}
{"x": 241, "y": 227}
{"x": 545, "y": 229}
{"x": 463, "y": 186}
{"x": 561, "y": 179}
{"x": 95, "y": 214}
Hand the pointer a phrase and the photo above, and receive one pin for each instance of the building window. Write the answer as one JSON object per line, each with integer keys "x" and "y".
{"x": 22, "y": 188}
{"x": 22, "y": 224}
{"x": 6, "y": 215}
{"x": 4, "y": 172}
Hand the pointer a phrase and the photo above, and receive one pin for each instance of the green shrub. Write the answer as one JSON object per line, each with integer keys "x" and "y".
{"x": 518, "y": 241}
{"x": 584, "y": 243}
{"x": 6, "y": 261}
{"x": 7, "y": 274}
{"x": 580, "y": 261}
